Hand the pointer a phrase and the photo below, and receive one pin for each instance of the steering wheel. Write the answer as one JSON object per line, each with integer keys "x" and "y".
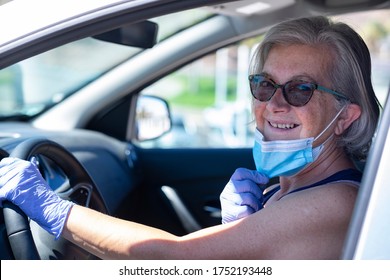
{"x": 17, "y": 223}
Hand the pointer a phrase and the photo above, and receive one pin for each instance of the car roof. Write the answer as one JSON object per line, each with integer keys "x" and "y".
{"x": 70, "y": 20}
{"x": 73, "y": 19}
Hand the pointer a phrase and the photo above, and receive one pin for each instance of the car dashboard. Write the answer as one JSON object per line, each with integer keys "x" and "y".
{"x": 107, "y": 160}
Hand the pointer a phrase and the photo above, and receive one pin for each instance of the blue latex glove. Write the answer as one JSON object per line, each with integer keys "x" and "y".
{"x": 243, "y": 195}
{"x": 22, "y": 184}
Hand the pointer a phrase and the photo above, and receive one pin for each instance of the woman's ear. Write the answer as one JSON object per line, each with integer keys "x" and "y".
{"x": 351, "y": 113}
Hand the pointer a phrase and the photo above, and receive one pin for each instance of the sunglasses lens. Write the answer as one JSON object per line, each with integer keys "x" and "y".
{"x": 298, "y": 93}
{"x": 262, "y": 89}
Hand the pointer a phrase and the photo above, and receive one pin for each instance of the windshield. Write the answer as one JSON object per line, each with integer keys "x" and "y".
{"x": 41, "y": 81}
{"x": 35, "y": 84}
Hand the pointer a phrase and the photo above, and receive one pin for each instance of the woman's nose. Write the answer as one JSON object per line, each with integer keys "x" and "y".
{"x": 277, "y": 101}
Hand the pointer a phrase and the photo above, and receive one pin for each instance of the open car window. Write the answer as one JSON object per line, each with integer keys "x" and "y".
{"x": 210, "y": 99}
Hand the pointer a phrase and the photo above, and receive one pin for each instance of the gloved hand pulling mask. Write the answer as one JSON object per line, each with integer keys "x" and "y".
{"x": 243, "y": 195}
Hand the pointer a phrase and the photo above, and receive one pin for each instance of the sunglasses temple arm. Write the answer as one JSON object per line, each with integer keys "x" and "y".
{"x": 332, "y": 92}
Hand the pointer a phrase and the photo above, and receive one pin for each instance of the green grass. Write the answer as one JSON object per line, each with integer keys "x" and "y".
{"x": 204, "y": 96}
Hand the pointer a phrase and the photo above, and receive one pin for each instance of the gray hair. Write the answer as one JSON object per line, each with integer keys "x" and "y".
{"x": 350, "y": 71}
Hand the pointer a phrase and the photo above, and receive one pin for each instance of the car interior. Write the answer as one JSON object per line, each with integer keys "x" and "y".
{"x": 103, "y": 144}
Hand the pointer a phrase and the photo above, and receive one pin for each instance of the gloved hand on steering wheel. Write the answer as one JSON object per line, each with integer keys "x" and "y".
{"x": 22, "y": 184}
{"x": 243, "y": 195}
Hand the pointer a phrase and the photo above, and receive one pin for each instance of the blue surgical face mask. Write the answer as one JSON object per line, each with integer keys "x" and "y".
{"x": 286, "y": 157}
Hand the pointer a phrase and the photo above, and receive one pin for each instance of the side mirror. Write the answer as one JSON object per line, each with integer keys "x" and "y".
{"x": 153, "y": 118}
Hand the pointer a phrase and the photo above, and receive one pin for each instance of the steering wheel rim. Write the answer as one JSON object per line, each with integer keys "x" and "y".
{"x": 17, "y": 224}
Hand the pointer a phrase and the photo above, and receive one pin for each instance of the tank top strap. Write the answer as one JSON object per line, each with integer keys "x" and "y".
{"x": 348, "y": 175}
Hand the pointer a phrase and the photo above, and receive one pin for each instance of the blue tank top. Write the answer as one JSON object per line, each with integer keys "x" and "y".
{"x": 344, "y": 175}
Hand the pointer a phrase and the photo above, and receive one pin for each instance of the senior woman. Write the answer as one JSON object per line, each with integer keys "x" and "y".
{"x": 344, "y": 64}
{"x": 315, "y": 110}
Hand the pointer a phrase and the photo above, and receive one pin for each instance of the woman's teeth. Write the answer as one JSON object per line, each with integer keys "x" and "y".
{"x": 282, "y": 126}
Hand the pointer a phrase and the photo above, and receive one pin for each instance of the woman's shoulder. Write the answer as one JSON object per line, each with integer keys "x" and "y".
{"x": 334, "y": 198}
{"x": 348, "y": 178}
{"x": 322, "y": 205}
{"x": 302, "y": 219}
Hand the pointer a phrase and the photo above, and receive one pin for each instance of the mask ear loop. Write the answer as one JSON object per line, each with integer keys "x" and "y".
{"x": 327, "y": 127}
{"x": 316, "y": 151}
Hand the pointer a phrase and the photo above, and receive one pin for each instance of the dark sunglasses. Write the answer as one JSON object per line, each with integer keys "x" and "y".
{"x": 296, "y": 92}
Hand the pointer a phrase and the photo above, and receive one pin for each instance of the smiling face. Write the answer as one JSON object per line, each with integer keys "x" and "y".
{"x": 278, "y": 120}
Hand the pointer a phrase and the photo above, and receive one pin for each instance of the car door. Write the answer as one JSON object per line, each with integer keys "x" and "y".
{"x": 179, "y": 188}
{"x": 182, "y": 173}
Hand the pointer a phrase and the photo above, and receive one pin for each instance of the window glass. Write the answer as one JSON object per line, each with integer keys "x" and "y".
{"x": 37, "y": 83}
{"x": 183, "y": 20}
{"x": 210, "y": 99}
{"x": 374, "y": 27}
